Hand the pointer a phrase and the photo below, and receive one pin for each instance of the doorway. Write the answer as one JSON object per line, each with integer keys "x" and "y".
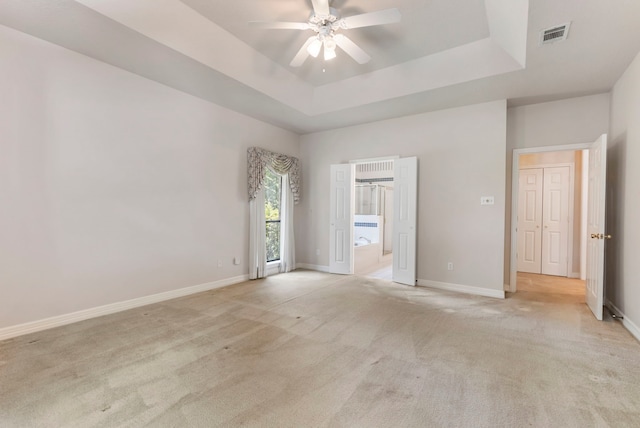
{"x": 591, "y": 230}
{"x": 549, "y": 213}
{"x": 342, "y": 203}
{"x": 527, "y": 161}
{"x": 373, "y": 219}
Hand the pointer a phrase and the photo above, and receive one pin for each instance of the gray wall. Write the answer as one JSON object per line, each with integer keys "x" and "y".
{"x": 623, "y": 198}
{"x": 570, "y": 121}
{"x": 461, "y": 158}
{"x": 112, "y": 186}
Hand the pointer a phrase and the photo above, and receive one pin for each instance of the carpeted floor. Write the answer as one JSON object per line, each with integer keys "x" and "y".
{"x": 309, "y": 349}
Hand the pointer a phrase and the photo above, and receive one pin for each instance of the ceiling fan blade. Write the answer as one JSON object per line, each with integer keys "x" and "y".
{"x": 351, "y": 49}
{"x": 302, "y": 54}
{"x": 386, "y": 16}
{"x": 280, "y": 25}
{"x": 321, "y": 7}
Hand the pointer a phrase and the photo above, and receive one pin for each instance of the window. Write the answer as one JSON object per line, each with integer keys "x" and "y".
{"x": 272, "y": 198}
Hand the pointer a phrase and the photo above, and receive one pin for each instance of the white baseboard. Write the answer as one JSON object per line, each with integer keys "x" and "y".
{"x": 626, "y": 322}
{"x": 574, "y": 275}
{"x": 60, "y": 320}
{"x": 272, "y": 270}
{"x": 319, "y": 268}
{"x": 469, "y": 289}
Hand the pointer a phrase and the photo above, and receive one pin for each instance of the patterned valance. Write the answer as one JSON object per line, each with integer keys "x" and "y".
{"x": 259, "y": 159}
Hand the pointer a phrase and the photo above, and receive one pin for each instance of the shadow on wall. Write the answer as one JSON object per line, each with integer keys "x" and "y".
{"x": 614, "y": 263}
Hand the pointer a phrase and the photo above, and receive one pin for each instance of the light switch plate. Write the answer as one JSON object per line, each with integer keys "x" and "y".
{"x": 486, "y": 200}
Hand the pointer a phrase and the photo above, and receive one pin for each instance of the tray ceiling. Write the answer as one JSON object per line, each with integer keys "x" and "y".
{"x": 444, "y": 53}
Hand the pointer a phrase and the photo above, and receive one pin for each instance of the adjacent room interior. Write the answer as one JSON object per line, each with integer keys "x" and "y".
{"x": 373, "y": 219}
{"x": 552, "y": 216}
{"x": 319, "y": 213}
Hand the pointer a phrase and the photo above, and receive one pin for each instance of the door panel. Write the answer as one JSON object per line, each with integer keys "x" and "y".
{"x": 530, "y": 220}
{"x": 388, "y": 220}
{"x": 341, "y": 207}
{"x": 529, "y": 247}
{"x": 555, "y": 220}
{"x": 595, "y": 225}
{"x": 405, "y": 180}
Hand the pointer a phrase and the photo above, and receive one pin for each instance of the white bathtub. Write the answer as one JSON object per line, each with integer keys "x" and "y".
{"x": 366, "y": 256}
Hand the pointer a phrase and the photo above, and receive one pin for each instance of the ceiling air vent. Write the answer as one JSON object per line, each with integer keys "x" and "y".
{"x": 554, "y": 34}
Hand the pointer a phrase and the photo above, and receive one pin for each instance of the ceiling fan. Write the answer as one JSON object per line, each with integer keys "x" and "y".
{"x": 326, "y": 22}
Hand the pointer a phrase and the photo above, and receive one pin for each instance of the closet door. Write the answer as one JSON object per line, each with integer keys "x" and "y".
{"x": 530, "y": 220}
{"x": 555, "y": 220}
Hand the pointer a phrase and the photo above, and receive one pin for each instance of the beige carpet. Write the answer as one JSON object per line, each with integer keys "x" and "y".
{"x": 309, "y": 349}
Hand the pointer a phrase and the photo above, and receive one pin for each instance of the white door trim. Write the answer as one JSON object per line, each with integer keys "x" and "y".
{"x": 515, "y": 175}
{"x": 372, "y": 160}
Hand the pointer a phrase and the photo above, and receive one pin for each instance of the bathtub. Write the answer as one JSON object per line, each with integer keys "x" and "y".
{"x": 366, "y": 256}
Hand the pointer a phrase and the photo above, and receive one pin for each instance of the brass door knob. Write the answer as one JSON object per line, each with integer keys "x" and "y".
{"x": 600, "y": 236}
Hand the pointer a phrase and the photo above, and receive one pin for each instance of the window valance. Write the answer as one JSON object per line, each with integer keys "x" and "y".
{"x": 259, "y": 159}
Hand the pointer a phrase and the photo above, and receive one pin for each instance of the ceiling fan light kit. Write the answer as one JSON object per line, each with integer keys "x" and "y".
{"x": 328, "y": 52}
{"x": 314, "y": 48}
{"x": 325, "y": 21}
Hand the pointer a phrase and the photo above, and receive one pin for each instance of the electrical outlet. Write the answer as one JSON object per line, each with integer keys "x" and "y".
{"x": 486, "y": 200}
{"x": 219, "y": 263}
{"x": 449, "y": 266}
{"x": 236, "y": 260}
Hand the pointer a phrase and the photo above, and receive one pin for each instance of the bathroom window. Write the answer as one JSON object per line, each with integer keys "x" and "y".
{"x": 273, "y": 196}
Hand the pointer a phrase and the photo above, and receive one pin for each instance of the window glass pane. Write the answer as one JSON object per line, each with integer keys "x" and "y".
{"x": 272, "y": 189}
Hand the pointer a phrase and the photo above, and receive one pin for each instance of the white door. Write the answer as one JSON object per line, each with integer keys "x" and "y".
{"x": 341, "y": 206}
{"x": 555, "y": 220}
{"x": 595, "y": 225}
{"x": 388, "y": 220}
{"x": 530, "y": 220}
{"x": 405, "y": 183}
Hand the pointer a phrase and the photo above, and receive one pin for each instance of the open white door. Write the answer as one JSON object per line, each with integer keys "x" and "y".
{"x": 341, "y": 208}
{"x": 595, "y": 225}
{"x": 405, "y": 183}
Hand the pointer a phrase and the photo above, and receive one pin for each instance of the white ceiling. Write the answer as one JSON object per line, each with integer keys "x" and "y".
{"x": 387, "y": 45}
{"x": 444, "y": 53}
